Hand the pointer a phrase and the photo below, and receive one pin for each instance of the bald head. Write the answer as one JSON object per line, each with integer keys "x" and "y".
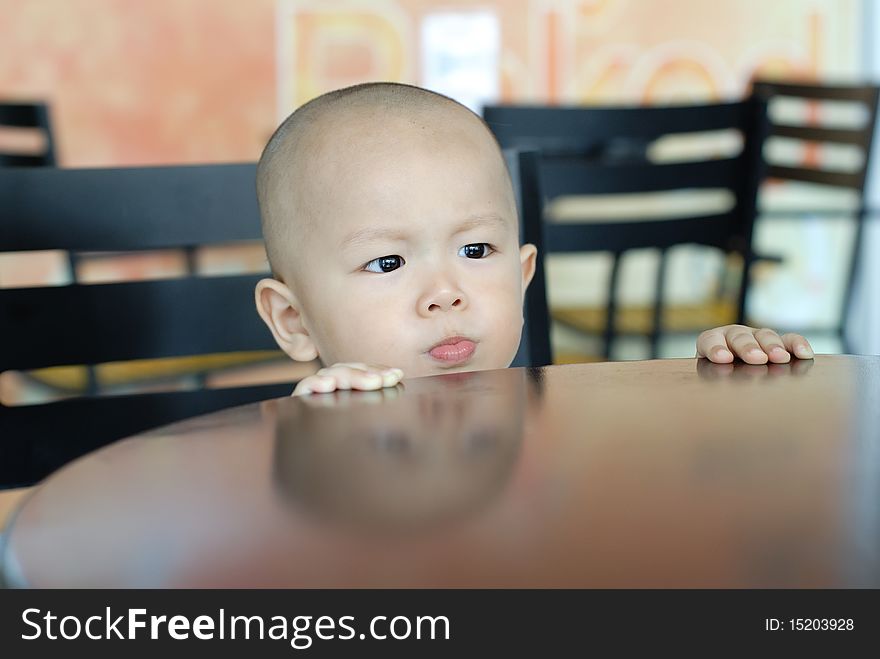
{"x": 390, "y": 223}
{"x": 310, "y": 151}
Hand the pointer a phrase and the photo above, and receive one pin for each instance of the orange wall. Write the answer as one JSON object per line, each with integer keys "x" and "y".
{"x": 136, "y": 82}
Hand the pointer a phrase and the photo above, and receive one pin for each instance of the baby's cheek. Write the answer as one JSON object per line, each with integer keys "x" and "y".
{"x": 511, "y": 344}
{"x": 506, "y": 326}
{"x": 374, "y": 342}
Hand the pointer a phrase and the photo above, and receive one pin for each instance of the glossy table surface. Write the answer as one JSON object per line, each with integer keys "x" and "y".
{"x": 671, "y": 473}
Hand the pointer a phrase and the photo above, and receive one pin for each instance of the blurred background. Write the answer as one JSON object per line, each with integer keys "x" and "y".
{"x": 207, "y": 81}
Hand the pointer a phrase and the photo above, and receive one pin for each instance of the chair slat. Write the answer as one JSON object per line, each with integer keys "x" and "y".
{"x": 817, "y": 134}
{"x": 562, "y": 176}
{"x": 710, "y": 230}
{"x": 127, "y": 209}
{"x": 22, "y": 160}
{"x": 860, "y": 93}
{"x": 534, "y": 127}
{"x": 98, "y": 323}
{"x": 20, "y": 115}
{"x": 819, "y": 176}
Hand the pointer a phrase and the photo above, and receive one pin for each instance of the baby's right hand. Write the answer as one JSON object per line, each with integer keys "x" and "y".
{"x": 349, "y": 376}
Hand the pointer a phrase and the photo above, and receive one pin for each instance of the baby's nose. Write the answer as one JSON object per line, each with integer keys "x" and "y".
{"x": 444, "y": 303}
{"x": 442, "y": 299}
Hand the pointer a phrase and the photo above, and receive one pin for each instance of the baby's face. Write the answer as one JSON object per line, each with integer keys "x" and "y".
{"x": 411, "y": 258}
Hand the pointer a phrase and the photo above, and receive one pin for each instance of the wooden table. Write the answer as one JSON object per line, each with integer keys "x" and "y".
{"x": 676, "y": 473}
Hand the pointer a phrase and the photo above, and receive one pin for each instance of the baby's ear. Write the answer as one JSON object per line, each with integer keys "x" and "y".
{"x": 528, "y": 259}
{"x": 280, "y": 310}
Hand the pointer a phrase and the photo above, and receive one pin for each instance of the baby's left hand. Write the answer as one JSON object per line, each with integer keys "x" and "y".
{"x": 753, "y": 346}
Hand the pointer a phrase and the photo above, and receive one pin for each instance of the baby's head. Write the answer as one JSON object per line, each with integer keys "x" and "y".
{"x": 391, "y": 228}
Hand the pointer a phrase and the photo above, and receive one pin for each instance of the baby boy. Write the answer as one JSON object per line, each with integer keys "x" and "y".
{"x": 392, "y": 233}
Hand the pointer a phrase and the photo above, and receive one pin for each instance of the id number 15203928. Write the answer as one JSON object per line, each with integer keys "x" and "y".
{"x": 809, "y": 624}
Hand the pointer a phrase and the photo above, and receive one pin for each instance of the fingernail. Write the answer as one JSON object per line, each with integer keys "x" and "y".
{"x": 779, "y": 351}
{"x": 804, "y": 351}
{"x": 724, "y": 353}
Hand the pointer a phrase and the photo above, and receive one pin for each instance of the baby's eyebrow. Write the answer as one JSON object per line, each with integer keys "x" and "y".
{"x": 480, "y": 221}
{"x": 372, "y": 234}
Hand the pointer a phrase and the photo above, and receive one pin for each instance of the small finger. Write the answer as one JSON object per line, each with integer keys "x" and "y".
{"x": 391, "y": 376}
{"x": 314, "y": 384}
{"x": 343, "y": 375}
{"x": 712, "y": 345}
{"x": 370, "y": 379}
{"x": 388, "y": 377}
{"x": 772, "y": 345}
{"x": 798, "y": 346}
{"x": 746, "y": 347}
{"x": 364, "y": 381}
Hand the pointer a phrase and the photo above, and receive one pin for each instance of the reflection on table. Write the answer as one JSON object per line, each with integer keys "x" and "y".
{"x": 675, "y": 473}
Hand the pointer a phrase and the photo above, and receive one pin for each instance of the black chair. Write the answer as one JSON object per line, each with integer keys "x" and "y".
{"x": 860, "y": 136}
{"x": 608, "y": 151}
{"x": 121, "y": 210}
{"x": 18, "y": 115}
{"x": 118, "y": 210}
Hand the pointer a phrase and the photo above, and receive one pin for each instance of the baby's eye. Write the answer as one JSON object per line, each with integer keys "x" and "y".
{"x": 476, "y": 250}
{"x": 384, "y": 264}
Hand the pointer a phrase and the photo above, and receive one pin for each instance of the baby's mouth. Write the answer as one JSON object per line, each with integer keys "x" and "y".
{"x": 453, "y": 350}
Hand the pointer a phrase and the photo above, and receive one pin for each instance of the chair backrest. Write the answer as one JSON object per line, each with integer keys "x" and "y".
{"x": 120, "y": 210}
{"x": 587, "y": 151}
{"x": 861, "y": 137}
{"x": 19, "y": 115}
{"x": 816, "y": 130}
